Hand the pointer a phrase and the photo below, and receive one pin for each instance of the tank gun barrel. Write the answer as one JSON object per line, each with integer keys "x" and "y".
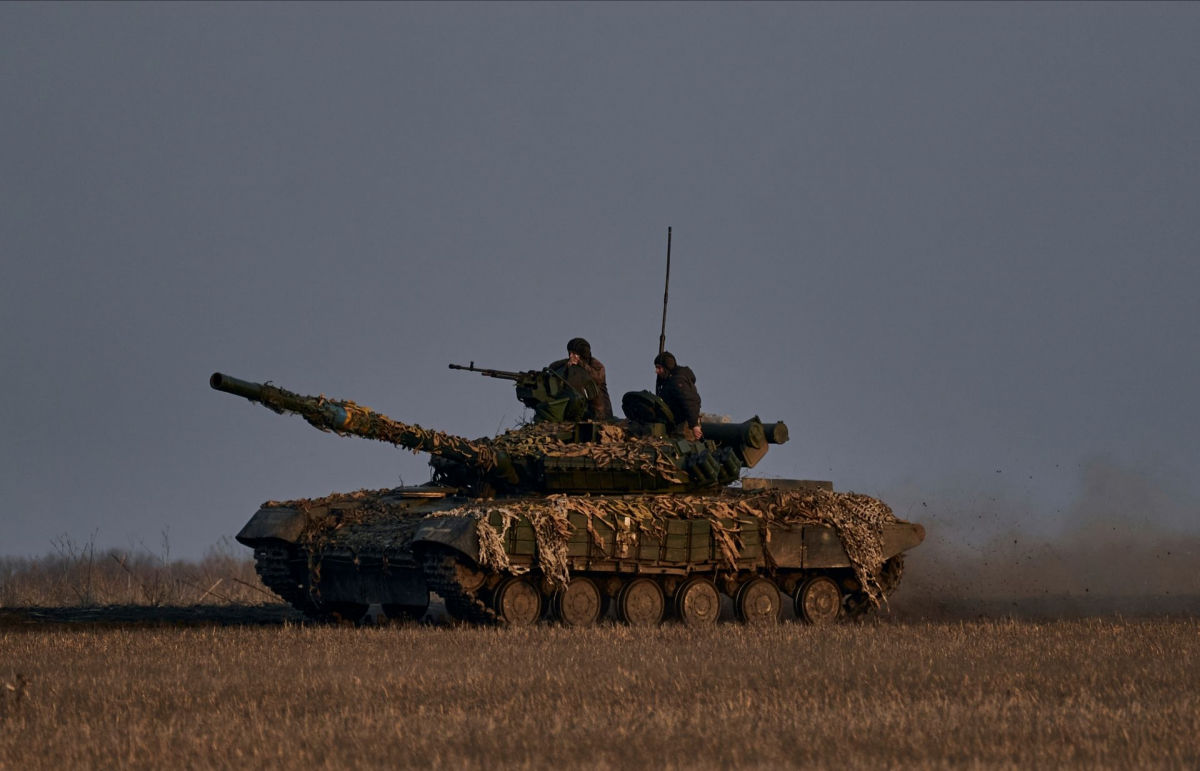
{"x": 347, "y": 418}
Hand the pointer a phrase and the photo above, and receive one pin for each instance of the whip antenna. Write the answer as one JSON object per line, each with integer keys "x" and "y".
{"x": 662, "y": 337}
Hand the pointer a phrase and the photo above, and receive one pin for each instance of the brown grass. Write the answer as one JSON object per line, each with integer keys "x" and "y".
{"x": 1081, "y": 693}
{"x": 80, "y": 575}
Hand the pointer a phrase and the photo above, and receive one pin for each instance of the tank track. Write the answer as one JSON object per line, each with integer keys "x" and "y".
{"x": 272, "y": 565}
{"x": 441, "y": 577}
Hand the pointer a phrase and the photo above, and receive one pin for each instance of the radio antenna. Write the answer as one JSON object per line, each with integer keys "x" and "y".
{"x": 662, "y": 337}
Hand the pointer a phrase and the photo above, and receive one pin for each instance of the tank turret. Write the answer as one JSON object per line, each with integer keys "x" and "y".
{"x": 633, "y": 455}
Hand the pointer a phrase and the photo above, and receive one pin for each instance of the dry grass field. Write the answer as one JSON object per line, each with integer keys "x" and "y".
{"x": 130, "y": 661}
{"x": 1101, "y": 692}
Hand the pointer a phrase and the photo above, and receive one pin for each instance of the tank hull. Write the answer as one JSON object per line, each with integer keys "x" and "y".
{"x": 520, "y": 559}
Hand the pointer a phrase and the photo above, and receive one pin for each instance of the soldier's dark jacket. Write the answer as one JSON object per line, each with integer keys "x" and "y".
{"x": 678, "y": 390}
{"x": 600, "y": 403}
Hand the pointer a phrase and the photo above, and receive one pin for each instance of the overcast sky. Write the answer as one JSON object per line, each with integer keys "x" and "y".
{"x": 953, "y": 246}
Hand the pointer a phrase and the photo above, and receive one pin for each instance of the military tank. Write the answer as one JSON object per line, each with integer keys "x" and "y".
{"x": 566, "y": 517}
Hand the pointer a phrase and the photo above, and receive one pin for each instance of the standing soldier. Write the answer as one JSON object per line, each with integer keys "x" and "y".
{"x": 676, "y": 385}
{"x": 579, "y": 354}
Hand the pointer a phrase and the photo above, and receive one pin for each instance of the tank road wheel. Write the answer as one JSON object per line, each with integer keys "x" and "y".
{"x": 641, "y": 603}
{"x": 517, "y": 602}
{"x": 819, "y": 600}
{"x": 697, "y": 602}
{"x": 757, "y": 602}
{"x": 578, "y": 603}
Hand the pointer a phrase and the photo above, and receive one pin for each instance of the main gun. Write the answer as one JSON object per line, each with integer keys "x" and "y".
{"x": 347, "y": 418}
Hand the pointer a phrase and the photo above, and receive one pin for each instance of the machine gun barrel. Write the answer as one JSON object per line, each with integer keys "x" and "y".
{"x": 549, "y": 392}
{"x": 347, "y": 418}
{"x": 496, "y": 373}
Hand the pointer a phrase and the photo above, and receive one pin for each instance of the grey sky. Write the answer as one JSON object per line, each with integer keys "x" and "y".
{"x": 954, "y": 247}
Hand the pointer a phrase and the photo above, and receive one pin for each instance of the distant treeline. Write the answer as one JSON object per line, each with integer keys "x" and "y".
{"x": 82, "y": 575}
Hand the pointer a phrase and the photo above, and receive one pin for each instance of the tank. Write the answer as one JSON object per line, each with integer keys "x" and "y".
{"x": 565, "y": 518}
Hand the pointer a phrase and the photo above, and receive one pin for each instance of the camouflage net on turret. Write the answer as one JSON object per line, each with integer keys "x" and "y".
{"x": 512, "y": 457}
{"x": 612, "y": 447}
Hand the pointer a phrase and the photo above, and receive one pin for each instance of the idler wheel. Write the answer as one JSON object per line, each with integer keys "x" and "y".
{"x": 757, "y": 602}
{"x": 517, "y": 602}
{"x": 819, "y": 600}
{"x": 579, "y": 603}
{"x": 697, "y": 602}
{"x": 641, "y": 603}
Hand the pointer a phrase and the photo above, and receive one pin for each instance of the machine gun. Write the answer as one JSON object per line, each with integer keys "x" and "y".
{"x": 554, "y": 396}
{"x": 496, "y": 373}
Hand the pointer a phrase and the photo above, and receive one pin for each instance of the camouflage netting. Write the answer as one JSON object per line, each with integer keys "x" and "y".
{"x": 364, "y": 521}
{"x": 365, "y": 422}
{"x": 347, "y": 418}
{"x": 857, "y": 519}
{"x": 613, "y": 447}
{"x": 337, "y": 518}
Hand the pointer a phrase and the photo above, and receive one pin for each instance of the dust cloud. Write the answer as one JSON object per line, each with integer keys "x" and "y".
{"x": 1128, "y": 545}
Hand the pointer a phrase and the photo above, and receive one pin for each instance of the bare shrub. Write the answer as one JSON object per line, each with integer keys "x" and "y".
{"x": 80, "y": 575}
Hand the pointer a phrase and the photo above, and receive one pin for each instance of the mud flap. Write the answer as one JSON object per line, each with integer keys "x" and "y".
{"x": 901, "y": 536}
{"x": 458, "y": 533}
{"x": 273, "y": 523}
